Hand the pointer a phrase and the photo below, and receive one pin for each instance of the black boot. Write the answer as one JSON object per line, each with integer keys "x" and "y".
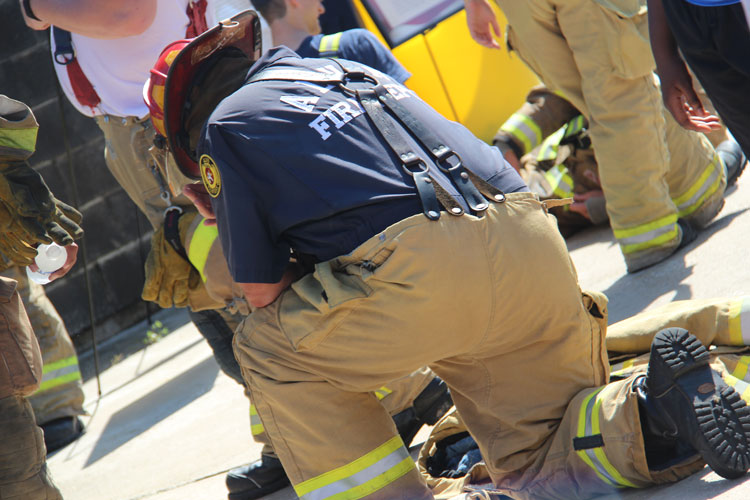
{"x": 257, "y": 479}
{"x": 686, "y": 403}
{"x": 429, "y": 407}
{"x": 734, "y": 159}
{"x": 61, "y": 432}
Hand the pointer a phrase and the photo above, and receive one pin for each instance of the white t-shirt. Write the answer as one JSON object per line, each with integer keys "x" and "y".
{"x": 118, "y": 68}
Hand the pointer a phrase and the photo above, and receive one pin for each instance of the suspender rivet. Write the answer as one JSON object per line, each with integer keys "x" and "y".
{"x": 464, "y": 175}
{"x": 427, "y": 180}
{"x": 433, "y": 214}
{"x": 499, "y": 197}
{"x": 482, "y": 206}
{"x": 456, "y": 210}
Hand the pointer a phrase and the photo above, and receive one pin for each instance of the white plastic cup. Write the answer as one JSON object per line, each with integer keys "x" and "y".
{"x": 49, "y": 258}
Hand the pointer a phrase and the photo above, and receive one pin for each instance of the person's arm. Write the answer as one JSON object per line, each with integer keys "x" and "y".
{"x": 677, "y": 89}
{"x": 91, "y": 18}
{"x": 482, "y": 22}
{"x": 262, "y": 294}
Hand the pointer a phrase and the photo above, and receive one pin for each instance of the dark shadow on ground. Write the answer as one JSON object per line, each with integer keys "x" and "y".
{"x": 154, "y": 407}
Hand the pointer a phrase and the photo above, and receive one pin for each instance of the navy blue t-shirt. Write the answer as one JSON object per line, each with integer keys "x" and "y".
{"x": 361, "y": 46}
{"x": 301, "y": 167}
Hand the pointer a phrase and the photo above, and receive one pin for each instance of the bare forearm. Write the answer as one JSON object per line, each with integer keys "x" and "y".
{"x": 663, "y": 44}
{"x": 97, "y": 18}
{"x": 261, "y": 294}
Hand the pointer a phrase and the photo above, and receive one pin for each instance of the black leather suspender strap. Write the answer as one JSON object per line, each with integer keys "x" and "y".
{"x": 172, "y": 230}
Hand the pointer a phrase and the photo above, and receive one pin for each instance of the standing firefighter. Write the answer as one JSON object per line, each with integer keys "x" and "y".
{"x": 425, "y": 250}
{"x": 29, "y": 215}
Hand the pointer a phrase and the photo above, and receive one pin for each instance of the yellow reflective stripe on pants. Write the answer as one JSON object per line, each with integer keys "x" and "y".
{"x": 330, "y": 43}
{"x": 742, "y": 387}
{"x": 560, "y": 181}
{"x": 649, "y": 235}
{"x": 594, "y": 457}
{"x": 621, "y": 368}
{"x": 200, "y": 246}
{"x": 360, "y": 478}
{"x": 705, "y": 186}
{"x": 59, "y": 373}
{"x": 524, "y": 129}
{"x": 739, "y": 321}
{"x": 256, "y": 426}
{"x": 382, "y": 392}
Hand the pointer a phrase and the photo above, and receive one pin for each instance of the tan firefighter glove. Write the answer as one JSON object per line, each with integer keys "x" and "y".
{"x": 29, "y": 214}
{"x": 170, "y": 278}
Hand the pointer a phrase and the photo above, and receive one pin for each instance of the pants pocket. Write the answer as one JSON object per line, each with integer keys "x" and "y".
{"x": 596, "y": 307}
{"x": 317, "y": 303}
{"x": 626, "y": 28}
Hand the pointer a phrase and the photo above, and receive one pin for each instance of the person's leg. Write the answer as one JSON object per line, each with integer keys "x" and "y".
{"x": 714, "y": 41}
{"x": 23, "y": 469}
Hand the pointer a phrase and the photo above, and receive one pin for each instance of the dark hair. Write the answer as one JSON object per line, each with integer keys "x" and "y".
{"x": 271, "y": 10}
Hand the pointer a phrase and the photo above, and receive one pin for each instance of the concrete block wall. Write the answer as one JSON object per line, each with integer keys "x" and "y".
{"x": 70, "y": 158}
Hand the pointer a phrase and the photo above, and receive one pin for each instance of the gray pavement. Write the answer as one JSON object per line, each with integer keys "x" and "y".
{"x": 169, "y": 424}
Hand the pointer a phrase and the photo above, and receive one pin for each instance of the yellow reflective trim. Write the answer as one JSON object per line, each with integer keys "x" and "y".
{"x": 253, "y": 410}
{"x": 635, "y": 247}
{"x": 351, "y": 468}
{"x": 599, "y": 452}
{"x": 257, "y": 429}
{"x": 330, "y": 43}
{"x": 382, "y": 392}
{"x": 742, "y": 388}
{"x": 376, "y": 483}
{"x": 735, "y": 322}
{"x": 709, "y": 170}
{"x": 644, "y": 228}
{"x": 19, "y": 138}
{"x": 200, "y": 246}
{"x": 550, "y": 145}
{"x": 514, "y": 128}
{"x": 582, "y": 433}
{"x": 256, "y": 425}
{"x": 62, "y": 363}
{"x": 740, "y": 371}
{"x": 63, "y": 379}
{"x": 620, "y": 368}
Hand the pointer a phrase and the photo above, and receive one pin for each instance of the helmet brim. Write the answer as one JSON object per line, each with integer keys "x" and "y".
{"x": 241, "y": 31}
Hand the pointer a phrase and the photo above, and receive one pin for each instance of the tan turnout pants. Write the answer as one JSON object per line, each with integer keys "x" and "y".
{"x": 61, "y": 391}
{"x": 525, "y": 363}
{"x": 597, "y": 54}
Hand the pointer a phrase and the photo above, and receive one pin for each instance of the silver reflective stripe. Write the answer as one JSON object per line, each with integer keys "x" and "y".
{"x": 380, "y": 467}
{"x": 745, "y": 321}
{"x": 647, "y": 236}
{"x": 524, "y": 129}
{"x": 685, "y": 207}
{"x": 591, "y": 451}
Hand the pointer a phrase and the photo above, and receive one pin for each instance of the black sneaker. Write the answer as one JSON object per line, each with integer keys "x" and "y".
{"x": 257, "y": 479}
{"x": 429, "y": 407}
{"x": 734, "y": 159}
{"x": 684, "y": 399}
{"x": 61, "y": 432}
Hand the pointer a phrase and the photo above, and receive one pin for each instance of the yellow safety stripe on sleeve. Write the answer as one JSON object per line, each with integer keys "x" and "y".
{"x": 330, "y": 43}
{"x": 560, "y": 181}
{"x": 588, "y": 425}
{"x": 621, "y": 368}
{"x": 652, "y": 234}
{"x": 364, "y": 476}
{"x": 256, "y": 426}
{"x": 705, "y": 186}
{"x": 574, "y": 126}
{"x": 58, "y": 373}
{"x": 200, "y": 245}
{"x": 548, "y": 150}
{"x": 382, "y": 392}
{"x": 524, "y": 129}
{"x": 742, "y": 387}
{"x": 22, "y": 139}
{"x": 739, "y": 321}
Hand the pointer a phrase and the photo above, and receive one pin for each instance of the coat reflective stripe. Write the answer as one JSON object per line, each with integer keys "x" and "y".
{"x": 256, "y": 426}
{"x": 652, "y": 234}
{"x": 574, "y": 126}
{"x": 330, "y": 43}
{"x": 705, "y": 186}
{"x": 739, "y": 321}
{"x": 742, "y": 387}
{"x": 622, "y": 368}
{"x": 382, "y": 392}
{"x": 200, "y": 246}
{"x": 524, "y": 129}
{"x": 740, "y": 371}
{"x": 20, "y": 139}
{"x": 59, "y": 373}
{"x": 560, "y": 181}
{"x": 588, "y": 425}
{"x": 364, "y": 476}
{"x": 548, "y": 150}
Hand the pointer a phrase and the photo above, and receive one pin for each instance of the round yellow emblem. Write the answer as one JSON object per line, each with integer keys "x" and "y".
{"x": 210, "y": 175}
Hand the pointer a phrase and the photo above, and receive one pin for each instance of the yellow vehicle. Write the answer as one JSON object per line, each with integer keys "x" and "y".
{"x": 468, "y": 83}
